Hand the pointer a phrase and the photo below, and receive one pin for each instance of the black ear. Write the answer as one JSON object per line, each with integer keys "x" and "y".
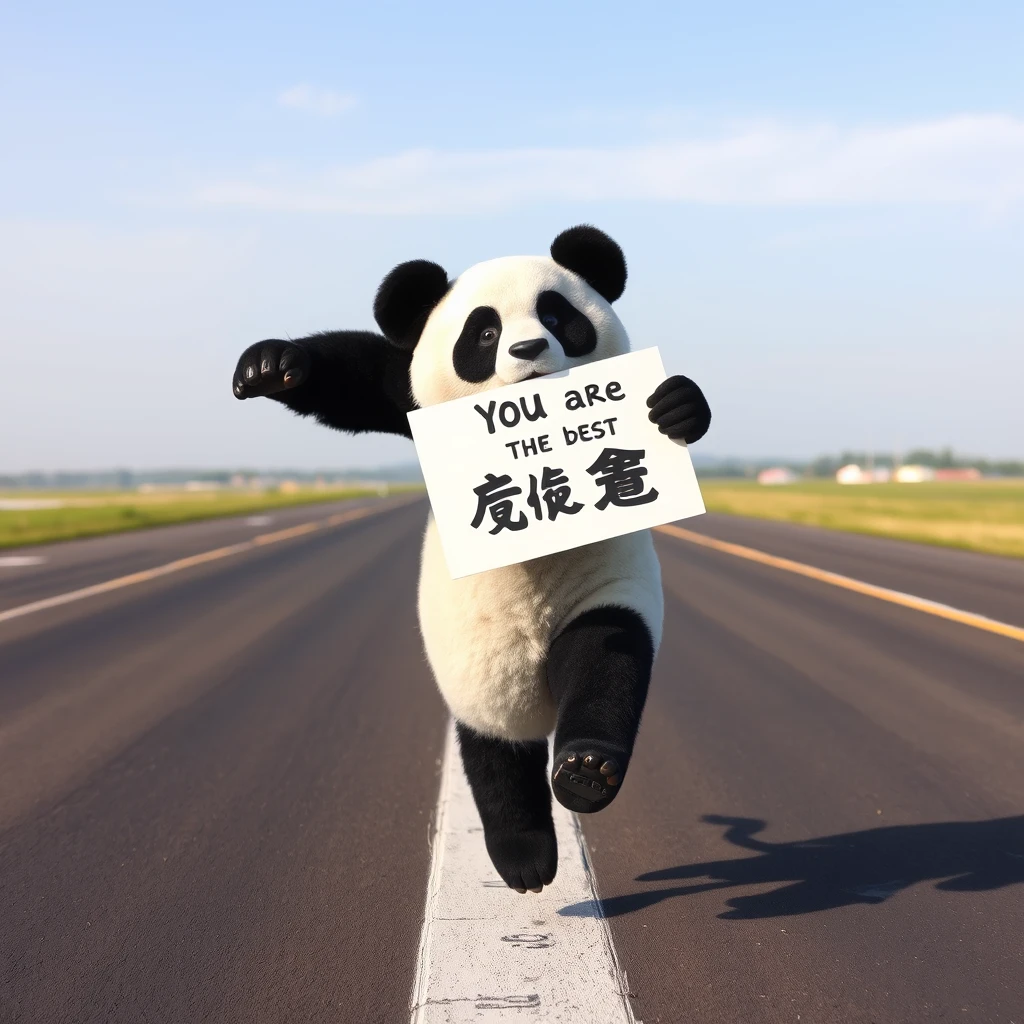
{"x": 406, "y": 298}
{"x": 594, "y": 256}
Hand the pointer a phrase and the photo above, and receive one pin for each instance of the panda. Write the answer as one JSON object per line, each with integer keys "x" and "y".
{"x": 564, "y": 643}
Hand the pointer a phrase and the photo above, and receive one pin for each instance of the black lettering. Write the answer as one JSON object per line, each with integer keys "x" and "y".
{"x": 488, "y": 416}
{"x": 597, "y": 429}
{"x": 529, "y": 447}
{"x": 611, "y": 421}
{"x": 512, "y": 445}
{"x": 585, "y": 432}
{"x": 570, "y": 435}
{"x": 614, "y": 391}
{"x": 508, "y": 413}
{"x": 593, "y": 395}
{"x": 545, "y": 444}
{"x": 572, "y": 400}
{"x": 538, "y": 409}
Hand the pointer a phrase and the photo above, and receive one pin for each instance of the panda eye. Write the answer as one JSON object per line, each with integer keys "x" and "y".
{"x": 550, "y": 321}
{"x": 489, "y": 335}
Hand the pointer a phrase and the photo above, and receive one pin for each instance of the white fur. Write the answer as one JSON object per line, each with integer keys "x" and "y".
{"x": 487, "y": 636}
{"x": 511, "y": 286}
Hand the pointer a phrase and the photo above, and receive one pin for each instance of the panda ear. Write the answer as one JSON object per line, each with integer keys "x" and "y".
{"x": 406, "y": 297}
{"x": 594, "y": 256}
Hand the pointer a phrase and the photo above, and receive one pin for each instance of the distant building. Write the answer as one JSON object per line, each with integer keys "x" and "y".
{"x": 965, "y": 473}
{"x": 775, "y": 476}
{"x": 914, "y": 474}
{"x": 852, "y": 474}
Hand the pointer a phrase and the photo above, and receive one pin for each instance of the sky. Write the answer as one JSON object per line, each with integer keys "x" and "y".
{"x": 821, "y": 206}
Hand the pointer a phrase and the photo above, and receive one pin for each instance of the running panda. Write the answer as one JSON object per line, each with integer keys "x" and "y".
{"x": 563, "y": 643}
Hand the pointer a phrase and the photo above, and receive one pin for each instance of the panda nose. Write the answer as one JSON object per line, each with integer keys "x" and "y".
{"x": 528, "y": 349}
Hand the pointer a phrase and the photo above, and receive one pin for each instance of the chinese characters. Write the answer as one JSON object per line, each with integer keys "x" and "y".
{"x": 618, "y": 472}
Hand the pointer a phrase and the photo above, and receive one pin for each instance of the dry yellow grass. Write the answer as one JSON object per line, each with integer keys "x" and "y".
{"x": 978, "y": 516}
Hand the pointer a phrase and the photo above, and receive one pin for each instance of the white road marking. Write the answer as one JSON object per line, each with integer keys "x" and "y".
{"x": 489, "y": 953}
{"x": 16, "y": 561}
{"x": 260, "y": 540}
{"x": 259, "y": 520}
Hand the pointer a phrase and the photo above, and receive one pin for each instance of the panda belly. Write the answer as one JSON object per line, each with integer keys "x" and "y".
{"x": 487, "y": 636}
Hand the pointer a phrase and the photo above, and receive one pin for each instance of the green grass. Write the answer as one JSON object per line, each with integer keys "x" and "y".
{"x": 92, "y": 514}
{"x": 984, "y": 516}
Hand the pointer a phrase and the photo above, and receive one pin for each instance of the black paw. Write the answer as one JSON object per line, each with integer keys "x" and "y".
{"x": 680, "y": 409}
{"x": 586, "y": 779}
{"x": 269, "y": 367}
{"x": 525, "y": 860}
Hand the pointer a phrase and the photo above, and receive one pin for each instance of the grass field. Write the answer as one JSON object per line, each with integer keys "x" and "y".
{"x": 983, "y": 516}
{"x": 88, "y": 515}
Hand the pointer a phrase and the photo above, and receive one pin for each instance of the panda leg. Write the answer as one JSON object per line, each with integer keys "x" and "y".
{"x": 599, "y": 668}
{"x": 510, "y": 788}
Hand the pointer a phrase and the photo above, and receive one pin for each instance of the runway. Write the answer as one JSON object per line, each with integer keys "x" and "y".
{"x": 219, "y": 784}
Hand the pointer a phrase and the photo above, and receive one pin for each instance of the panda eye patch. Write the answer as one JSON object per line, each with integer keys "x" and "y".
{"x": 572, "y": 328}
{"x": 476, "y": 349}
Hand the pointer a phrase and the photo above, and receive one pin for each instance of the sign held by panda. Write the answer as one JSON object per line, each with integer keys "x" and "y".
{"x": 551, "y": 464}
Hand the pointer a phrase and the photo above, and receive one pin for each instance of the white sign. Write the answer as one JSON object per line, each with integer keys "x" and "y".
{"x": 553, "y": 463}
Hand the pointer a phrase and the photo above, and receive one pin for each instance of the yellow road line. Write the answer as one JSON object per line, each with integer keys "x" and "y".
{"x": 942, "y": 611}
{"x": 192, "y": 560}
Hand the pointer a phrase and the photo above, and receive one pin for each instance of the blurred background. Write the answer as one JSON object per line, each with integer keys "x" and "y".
{"x": 822, "y": 210}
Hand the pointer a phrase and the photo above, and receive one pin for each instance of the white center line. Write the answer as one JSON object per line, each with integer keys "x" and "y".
{"x": 489, "y": 953}
{"x": 16, "y": 561}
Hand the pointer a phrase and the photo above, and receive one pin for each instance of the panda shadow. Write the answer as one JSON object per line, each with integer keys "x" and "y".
{"x": 828, "y": 872}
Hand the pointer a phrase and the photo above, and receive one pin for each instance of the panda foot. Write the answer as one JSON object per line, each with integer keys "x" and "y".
{"x": 586, "y": 779}
{"x": 525, "y": 860}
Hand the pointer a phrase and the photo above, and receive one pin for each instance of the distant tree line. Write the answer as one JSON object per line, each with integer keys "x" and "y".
{"x": 826, "y": 465}
{"x": 127, "y": 479}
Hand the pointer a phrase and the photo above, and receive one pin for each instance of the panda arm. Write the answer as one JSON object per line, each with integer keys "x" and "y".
{"x": 354, "y": 381}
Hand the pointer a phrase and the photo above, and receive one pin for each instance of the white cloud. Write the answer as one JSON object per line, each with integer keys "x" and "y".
{"x": 976, "y": 159}
{"x": 325, "y": 102}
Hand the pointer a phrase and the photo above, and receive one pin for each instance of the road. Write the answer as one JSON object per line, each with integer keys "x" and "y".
{"x": 219, "y": 783}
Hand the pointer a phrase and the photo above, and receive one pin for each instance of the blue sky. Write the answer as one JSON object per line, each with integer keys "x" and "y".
{"x": 822, "y": 209}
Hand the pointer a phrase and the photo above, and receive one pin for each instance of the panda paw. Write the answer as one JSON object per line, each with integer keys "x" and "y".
{"x": 680, "y": 410}
{"x": 586, "y": 779}
{"x": 525, "y": 860}
{"x": 269, "y": 367}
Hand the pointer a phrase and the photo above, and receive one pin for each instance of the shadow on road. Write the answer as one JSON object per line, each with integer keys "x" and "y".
{"x": 836, "y": 871}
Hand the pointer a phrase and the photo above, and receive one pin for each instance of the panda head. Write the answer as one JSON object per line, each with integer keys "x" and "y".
{"x": 505, "y": 320}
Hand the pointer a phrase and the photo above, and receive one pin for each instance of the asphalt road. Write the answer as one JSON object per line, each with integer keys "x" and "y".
{"x": 218, "y": 784}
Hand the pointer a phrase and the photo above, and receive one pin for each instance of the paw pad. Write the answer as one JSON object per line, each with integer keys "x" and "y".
{"x": 588, "y": 776}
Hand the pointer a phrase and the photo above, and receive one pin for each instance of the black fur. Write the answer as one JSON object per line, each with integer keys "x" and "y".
{"x": 474, "y": 356}
{"x": 406, "y": 298}
{"x": 594, "y": 256}
{"x": 510, "y": 788}
{"x": 598, "y": 671}
{"x": 349, "y": 380}
{"x": 680, "y": 409}
{"x": 573, "y": 329}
